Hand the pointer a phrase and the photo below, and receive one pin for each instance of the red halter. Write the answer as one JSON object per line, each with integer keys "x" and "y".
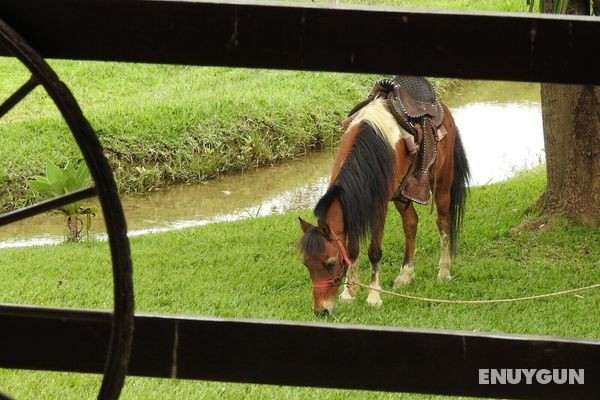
{"x": 344, "y": 260}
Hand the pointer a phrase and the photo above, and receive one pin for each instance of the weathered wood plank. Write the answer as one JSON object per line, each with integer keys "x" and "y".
{"x": 528, "y": 47}
{"x": 320, "y": 355}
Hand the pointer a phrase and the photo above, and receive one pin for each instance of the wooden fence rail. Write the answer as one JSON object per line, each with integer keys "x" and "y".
{"x": 528, "y": 47}
{"x": 300, "y": 354}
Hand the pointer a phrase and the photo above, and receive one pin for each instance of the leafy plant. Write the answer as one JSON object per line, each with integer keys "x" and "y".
{"x": 60, "y": 181}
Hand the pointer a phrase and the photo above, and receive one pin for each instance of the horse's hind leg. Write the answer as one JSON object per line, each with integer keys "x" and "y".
{"x": 410, "y": 219}
{"x": 375, "y": 253}
{"x": 442, "y": 202}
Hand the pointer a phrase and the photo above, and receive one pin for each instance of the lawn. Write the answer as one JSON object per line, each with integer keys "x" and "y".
{"x": 252, "y": 269}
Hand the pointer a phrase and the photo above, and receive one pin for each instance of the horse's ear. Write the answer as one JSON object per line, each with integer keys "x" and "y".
{"x": 304, "y": 225}
{"x": 324, "y": 229}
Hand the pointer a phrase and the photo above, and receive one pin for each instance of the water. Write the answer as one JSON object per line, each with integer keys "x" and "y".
{"x": 256, "y": 192}
{"x": 500, "y": 124}
{"x": 501, "y": 128}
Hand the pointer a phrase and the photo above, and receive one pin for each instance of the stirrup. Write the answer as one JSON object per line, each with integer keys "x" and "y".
{"x": 417, "y": 188}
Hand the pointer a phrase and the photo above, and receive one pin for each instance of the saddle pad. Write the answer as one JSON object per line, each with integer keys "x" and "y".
{"x": 417, "y": 87}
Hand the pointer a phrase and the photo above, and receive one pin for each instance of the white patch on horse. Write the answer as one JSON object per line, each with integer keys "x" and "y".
{"x": 374, "y": 298}
{"x": 406, "y": 274}
{"x": 350, "y": 291}
{"x": 377, "y": 115}
{"x": 346, "y": 297}
{"x": 445, "y": 258}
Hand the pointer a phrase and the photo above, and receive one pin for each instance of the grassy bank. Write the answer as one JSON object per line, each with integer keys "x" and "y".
{"x": 252, "y": 269}
{"x": 167, "y": 124}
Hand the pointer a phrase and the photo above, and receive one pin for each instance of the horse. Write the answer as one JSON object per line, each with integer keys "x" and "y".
{"x": 371, "y": 163}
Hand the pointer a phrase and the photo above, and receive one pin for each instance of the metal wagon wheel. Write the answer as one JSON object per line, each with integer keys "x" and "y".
{"x": 104, "y": 187}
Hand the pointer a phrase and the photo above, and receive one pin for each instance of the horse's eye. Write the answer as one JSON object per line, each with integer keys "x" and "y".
{"x": 330, "y": 263}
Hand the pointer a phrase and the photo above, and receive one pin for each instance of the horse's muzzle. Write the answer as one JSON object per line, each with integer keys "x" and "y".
{"x": 324, "y": 309}
{"x": 324, "y": 313}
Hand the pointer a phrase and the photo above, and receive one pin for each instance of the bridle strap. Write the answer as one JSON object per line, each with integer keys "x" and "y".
{"x": 329, "y": 282}
{"x": 344, "y": 260}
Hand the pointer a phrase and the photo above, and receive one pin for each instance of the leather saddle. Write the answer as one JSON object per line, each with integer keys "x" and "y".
{"x": 413, "y": 103}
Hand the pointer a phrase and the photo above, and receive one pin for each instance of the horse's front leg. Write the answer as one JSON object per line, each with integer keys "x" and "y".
{"x": 350, "y": 291}
{"x": 375, "y": 253}
{"x": 410, "y": 219}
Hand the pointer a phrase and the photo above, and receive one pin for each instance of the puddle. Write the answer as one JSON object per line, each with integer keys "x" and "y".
{"x": 500, "y": 124}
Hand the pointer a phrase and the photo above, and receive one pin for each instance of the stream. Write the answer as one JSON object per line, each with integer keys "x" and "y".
{"x": 500, "y": 124}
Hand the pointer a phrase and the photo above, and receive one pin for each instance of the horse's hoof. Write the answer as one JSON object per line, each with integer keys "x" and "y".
{"x": 444, "y": 275}
{"x": 402, "y": 280}
{"x": 374, "y": 301}
{"x": 405, "y": 277}
{"x": 346, "y": 297}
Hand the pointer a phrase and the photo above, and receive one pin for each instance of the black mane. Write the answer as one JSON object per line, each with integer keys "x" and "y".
{"x": 362, "y": 185}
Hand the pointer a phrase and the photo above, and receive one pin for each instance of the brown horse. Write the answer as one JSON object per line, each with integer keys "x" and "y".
{"x": 370, "y": 166}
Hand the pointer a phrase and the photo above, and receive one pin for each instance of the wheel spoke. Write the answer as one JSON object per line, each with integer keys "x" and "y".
{"x": 47, "y": 205}
{"x": 19, "y": 95}
{"x": 4, "y": 396}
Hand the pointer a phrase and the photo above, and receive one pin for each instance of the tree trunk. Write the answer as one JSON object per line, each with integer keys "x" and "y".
{"x": 571, "y": 120}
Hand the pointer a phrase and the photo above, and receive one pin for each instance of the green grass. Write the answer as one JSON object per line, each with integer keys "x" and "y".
{"x": 252, "y": 269}
{"x": 167, "y": 124}
{"x": 477, "y": 5}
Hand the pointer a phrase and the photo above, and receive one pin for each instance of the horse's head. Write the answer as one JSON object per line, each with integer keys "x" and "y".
{"x": 325, "y": 257}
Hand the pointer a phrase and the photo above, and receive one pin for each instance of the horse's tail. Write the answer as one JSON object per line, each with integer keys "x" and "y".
{"x": 458, "y": 192}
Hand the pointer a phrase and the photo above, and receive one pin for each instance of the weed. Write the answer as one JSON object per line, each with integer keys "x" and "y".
{"x": 58, "y": 182}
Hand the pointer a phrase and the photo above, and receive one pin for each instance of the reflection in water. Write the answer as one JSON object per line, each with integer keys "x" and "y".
{"x": 500, "y": 137}
{"x": 257, "y": 192}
